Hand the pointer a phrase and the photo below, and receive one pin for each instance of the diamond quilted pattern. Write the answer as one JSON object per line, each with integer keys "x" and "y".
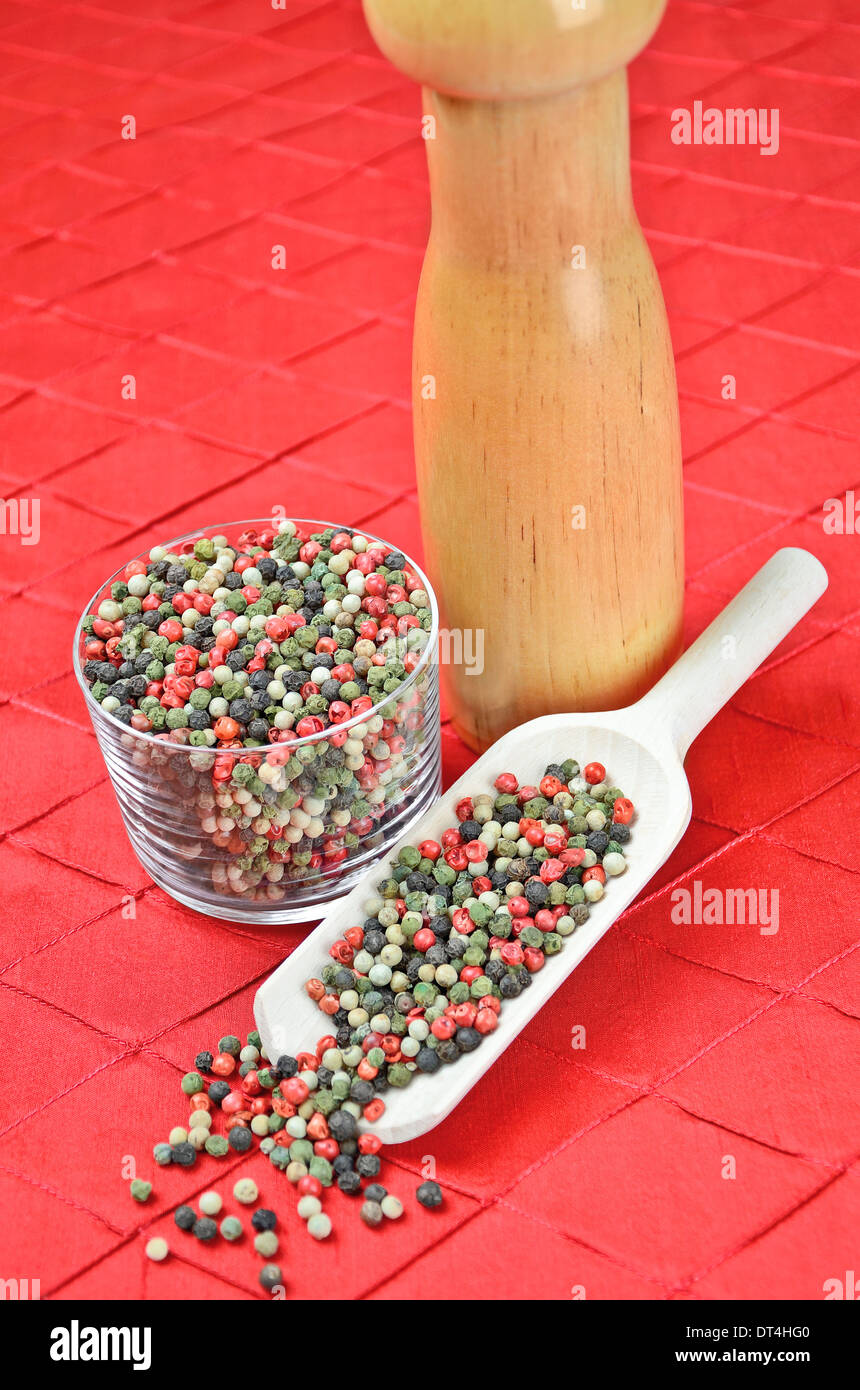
{"x": 600, "y": 1169}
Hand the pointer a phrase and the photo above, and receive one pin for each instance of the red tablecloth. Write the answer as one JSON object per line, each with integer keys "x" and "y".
{"x": 603, "y": 1170}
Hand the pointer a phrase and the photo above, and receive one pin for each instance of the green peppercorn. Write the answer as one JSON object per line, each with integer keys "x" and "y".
{"x": 399, "y": 1075}
{"x": 301, "y": 1151}
{"x": 266, "y": 1244}
{"x": 371, "y": 1214}
{"x": 319, "y": 1226}
{"x": 321, "y": 1169}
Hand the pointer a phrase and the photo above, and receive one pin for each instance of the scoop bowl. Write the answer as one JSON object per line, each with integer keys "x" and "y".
{"x": 642, "y": 748}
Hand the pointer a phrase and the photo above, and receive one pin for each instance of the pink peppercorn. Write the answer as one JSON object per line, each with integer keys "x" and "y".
{"x": 444, "y": 1027}
{"x": 295, "y": 1090}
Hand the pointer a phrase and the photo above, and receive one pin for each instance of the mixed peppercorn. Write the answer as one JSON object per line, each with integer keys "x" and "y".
{"x": 295, "y": 1136}
{"x": 462, "y": 924}
{"x": 252, "y": 643}
{"x": 280, "y": 664}
{"x": 459, "y": 926}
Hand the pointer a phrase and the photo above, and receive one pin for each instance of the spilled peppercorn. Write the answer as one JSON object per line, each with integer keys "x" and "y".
{"x": 458, "y": 927}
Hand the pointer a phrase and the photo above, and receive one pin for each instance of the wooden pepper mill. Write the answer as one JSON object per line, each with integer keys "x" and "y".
{"x": 546, "y": 415}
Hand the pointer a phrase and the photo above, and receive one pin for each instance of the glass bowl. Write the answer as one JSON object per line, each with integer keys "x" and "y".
{"x": 217, "y": 828}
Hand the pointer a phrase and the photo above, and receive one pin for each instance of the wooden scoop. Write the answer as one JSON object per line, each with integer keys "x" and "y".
{"x": 642, "y": 748}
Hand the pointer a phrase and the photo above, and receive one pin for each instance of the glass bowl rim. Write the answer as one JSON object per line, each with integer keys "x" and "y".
{"x": 147, "y": 739}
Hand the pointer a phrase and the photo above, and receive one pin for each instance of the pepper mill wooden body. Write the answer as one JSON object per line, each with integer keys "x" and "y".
{"x": 546, "y": 417}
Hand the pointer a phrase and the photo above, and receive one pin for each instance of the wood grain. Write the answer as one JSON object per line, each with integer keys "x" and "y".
{"x": 543, "y": 379}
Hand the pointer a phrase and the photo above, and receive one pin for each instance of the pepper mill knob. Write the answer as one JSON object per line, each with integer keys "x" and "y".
{"x": 504, "y": 50}
{"x": 545, "y": 408}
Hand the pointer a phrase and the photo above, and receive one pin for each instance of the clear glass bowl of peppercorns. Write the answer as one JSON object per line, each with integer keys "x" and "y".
{"x": 265, "y": 696}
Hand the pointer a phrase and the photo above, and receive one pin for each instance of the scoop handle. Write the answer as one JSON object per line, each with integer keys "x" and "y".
{"x": 735, "y": 644}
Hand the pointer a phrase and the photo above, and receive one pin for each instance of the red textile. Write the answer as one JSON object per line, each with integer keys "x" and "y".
{"x": 600, "y": 1169}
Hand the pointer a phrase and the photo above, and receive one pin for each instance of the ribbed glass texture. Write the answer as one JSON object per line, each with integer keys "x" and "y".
{"x": 182, "y": 804}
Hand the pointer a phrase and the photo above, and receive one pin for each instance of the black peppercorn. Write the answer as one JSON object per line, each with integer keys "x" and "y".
{"x": 270, "y": 1275}
{"x": 263, "y": 1219}
{"x": 342, "y": 1124}
{"x": 426, "y": 1060}
{"x": 467, "y": 1039}
{"x": 429, "y": 1194}
{"x": 349, "y": 1182}
{"x": 185, "y": 1218}
{"x": 536, "y": 893}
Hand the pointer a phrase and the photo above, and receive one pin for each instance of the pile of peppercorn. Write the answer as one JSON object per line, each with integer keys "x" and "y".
{"x": 461, "y": 925}
{"x": 464, "y": 923}
{"x": 274, "y": 637}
